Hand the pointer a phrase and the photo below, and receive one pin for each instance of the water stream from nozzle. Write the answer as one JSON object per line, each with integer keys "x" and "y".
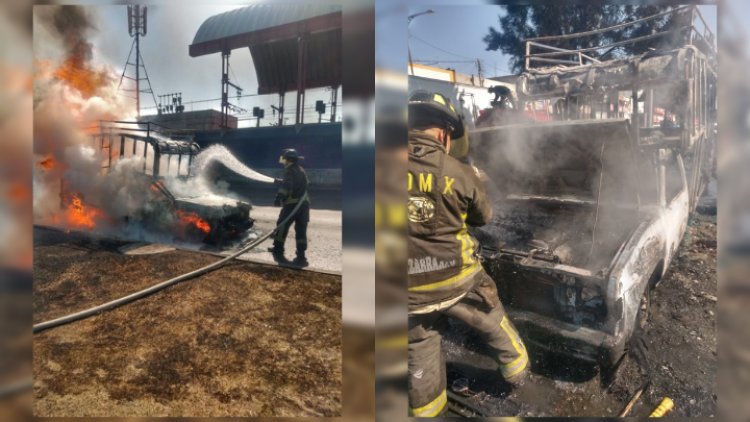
{"x": 220, "y": 154}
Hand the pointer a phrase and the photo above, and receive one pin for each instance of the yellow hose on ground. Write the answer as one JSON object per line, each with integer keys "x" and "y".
{"x": 663, "y": 408}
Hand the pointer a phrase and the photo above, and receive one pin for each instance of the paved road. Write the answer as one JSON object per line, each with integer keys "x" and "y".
{"x": 323, "y": 234}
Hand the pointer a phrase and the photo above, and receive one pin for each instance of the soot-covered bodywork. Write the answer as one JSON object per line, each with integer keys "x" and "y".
{"x": 210, "y": 218}
{"x": 228, "y": 218}
{"x": 190, "y": 214}
{"x": 583, "y": 223}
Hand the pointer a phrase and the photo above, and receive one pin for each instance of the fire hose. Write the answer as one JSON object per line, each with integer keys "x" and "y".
{"x": 67, "y": 319}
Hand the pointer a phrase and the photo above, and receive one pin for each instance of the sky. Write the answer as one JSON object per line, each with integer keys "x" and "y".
{"x": 453, "y": 35}
{"x": 170, "y": 68}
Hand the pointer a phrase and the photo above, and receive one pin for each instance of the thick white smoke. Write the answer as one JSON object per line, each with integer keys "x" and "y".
{"x": 71, "y": 96}
{"x": 220, "y": 154}
{"x": 72, "y": 188}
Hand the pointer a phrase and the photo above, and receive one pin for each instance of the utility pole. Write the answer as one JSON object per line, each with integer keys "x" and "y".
{"x": 225, "y": 84}
{"x": 137, "y": 73}
{"x": 479, "y": 73}
{"x": 408, "y": 45}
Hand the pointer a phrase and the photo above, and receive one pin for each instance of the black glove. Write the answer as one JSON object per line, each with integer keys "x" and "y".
{"x": 277, "y": 181}
{"x": 277, "y": 201}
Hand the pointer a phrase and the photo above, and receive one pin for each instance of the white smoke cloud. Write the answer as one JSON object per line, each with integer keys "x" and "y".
{"x": 70, "y": 98}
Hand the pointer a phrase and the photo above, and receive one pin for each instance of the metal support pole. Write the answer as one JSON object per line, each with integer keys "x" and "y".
{"x": 281, "y": 108}
{"x": 334, "y": 98}
{"x": 137, "y": 74}
{"x": 411, "y": 64}
{"x": 636, "y": 124}
{"x": 300, "y": 80}
{"x": 145, "y": 155}
{"x": 408, "y": 34}
{"x": 225, "y": 89}
{"x": 528, "y": 53}
{"x": 157, "y": 164}
{"x": 111, "y": 143}
{"x": 649, "y": 108}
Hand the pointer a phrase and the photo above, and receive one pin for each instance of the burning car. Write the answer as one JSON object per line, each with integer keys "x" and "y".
{"x": 188, "y": 211}
{"x": 585, "y": 223}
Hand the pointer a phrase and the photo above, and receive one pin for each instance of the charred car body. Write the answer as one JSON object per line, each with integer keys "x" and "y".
{"x": 581, "y": 228}
{"x": 209, "y": 217}
{"x": 591, "y": 208}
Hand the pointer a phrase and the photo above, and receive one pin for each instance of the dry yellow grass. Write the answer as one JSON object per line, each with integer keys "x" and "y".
{"x": 246, "y": 340}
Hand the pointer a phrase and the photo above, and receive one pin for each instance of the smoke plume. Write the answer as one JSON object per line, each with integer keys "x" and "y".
{"x": 71, "y": 96}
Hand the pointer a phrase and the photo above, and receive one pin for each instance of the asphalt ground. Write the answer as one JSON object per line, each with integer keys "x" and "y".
{"x": 323, "y": 238}
{"x": 324, "y": 231}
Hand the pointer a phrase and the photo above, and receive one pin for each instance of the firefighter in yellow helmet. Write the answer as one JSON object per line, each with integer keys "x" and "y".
{"x": 445, "y": 276}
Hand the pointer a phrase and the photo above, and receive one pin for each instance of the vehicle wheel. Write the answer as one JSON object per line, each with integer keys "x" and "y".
{"x": 610, "y": 370}
{"x": 644, "y": 312}
{"x": 635, "y": 351}
{"x": 638, "y": 344}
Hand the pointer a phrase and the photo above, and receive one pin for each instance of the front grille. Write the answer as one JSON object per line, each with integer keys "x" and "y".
{"x": 529, "y": 291}
{"x": 546, "y": 295}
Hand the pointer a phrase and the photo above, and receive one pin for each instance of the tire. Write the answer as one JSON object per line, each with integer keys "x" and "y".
{"x": 611, "y": 366}
{"x": 644, "y": 312}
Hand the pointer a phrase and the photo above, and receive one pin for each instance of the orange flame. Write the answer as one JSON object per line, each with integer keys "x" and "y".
{"x": 191, "y": 218}
{"x": 81, "y": 216}
{"x": 81, "y": 76}
{"x": 48, "y": 163}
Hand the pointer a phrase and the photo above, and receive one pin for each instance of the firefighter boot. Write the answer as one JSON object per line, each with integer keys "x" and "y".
{"x": 278, "y": 253}
{"x": 300, "y": 260}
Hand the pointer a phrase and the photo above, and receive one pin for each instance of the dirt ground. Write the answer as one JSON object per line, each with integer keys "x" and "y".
{"x": 676, "y": 352}
{"x": 245, "y": 340}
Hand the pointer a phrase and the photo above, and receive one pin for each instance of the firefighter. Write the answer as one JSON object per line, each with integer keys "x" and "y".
{"x": 445, "y": 276}
{"x": 291, "y": 189}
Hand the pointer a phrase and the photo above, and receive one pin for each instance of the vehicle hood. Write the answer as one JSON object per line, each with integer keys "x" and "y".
{"x": 212, "y": 205}
{"x": 582, "y": 159}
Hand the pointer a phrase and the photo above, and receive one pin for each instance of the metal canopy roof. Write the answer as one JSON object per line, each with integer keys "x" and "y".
{"x": 271, "y": 32}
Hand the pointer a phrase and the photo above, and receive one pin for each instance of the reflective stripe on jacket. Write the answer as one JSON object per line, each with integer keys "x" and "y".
{"x": 445, "y": 197}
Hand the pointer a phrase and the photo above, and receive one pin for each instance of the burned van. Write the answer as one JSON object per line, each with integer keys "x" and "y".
{"x": 210, "y": 217}
{"x": 584, "y": 223}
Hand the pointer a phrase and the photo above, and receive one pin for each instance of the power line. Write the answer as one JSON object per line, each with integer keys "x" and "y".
{"x": 215, "y": 99}
{"x": 307, "y": 107}
{"x": 471, "y": 63}
{"x": 468, "y": 65}
{"x": 445, "y": 61}
{"x": 438, "y": 48}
